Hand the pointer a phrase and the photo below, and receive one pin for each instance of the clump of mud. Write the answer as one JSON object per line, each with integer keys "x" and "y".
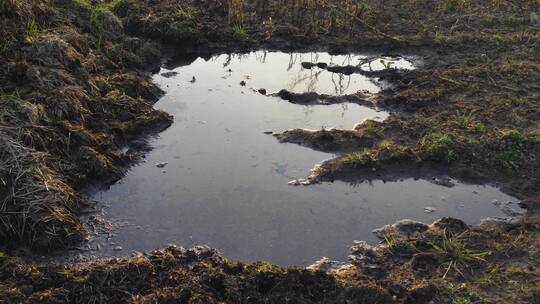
{"x": 197, "y": 275}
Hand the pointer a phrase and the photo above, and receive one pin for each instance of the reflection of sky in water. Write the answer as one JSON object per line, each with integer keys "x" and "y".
{"x": 226, "y": 182}
{"x": 276, "y": 71}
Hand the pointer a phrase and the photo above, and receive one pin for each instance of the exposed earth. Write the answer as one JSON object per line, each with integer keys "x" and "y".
{"x": 75, "y": 90}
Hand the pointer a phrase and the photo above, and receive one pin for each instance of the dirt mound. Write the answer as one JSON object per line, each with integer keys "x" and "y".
{"x": 197, "y": 275}
{"x": 72, "y": 94}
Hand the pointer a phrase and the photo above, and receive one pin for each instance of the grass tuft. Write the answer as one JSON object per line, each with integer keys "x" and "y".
{"x": 239, "y": 32}
{"x": 439, "y": 146}
{"x": 32, "y": 28}
{"x": 453, "y": 249}
{"x": 360, "y": 159}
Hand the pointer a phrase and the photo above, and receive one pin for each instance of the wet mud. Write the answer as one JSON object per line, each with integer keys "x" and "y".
{"x": 76, "y": 90}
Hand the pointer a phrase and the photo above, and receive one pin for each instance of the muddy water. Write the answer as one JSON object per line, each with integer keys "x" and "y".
{"x": 225, "y": 180}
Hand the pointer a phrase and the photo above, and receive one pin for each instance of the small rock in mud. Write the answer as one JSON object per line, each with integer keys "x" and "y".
{"x": 345, "y": 70}
{"x": 506, "y": 209}
{"x": 322, "y": 65}
{"x": 269, "y": 132}
{"x": 193, "y": 79}
{"x": 429, "y": 209}
{"x": 326, "y": 265}
{"x": 363, "y": 254}
{"x": 451, "y": 225}
{"x": 118, "y": 248}
{"x": 162, "y": 164}
{"x": 243, "y": 83}
{"x": 169, "y": 74}
{"x": 405, "y": 228}
{"x": 262, "y": 91}
{"x": 446, "y": 182}
{"x": 300, "y": 182}
{"x": 307, "y": 65}
{"x": 299, "y": 98}
{"x": 496, "y": 220}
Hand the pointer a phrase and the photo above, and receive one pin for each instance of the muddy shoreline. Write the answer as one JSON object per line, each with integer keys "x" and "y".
{"x": 71, "y": 75}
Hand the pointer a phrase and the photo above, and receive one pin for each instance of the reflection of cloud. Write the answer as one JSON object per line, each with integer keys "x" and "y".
{"x": 312, "y": 84}
{"x": 276, "y": 71}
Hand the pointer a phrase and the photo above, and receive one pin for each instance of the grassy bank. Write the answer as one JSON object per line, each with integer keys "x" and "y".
{"x": 75, "y": 88}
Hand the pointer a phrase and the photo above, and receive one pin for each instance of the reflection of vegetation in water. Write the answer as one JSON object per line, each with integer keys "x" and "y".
{"x": 310, "y": 77}
{"x": 261, "y": 56}
{"x": 340, "y": 87}
{"x": 344, "y": 108}
{"x": 293, "y": 59}
{"x": 347, "y": 60}
{"x": 228, "y": 60}
{"x": 314, "y": 57}
{"x": 312, "y": 83}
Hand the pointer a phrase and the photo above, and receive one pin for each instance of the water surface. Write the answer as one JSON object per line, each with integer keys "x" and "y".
{"x": 225, "y": 181}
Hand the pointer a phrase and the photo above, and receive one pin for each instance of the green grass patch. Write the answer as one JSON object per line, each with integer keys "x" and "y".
{"x": 239, "y": 32}
{"x": 461, "y": 301}
{"x": 372, "y": 127}
{"x": 390, "y": 241}
{"x": 514, "y": 136}
{"x": 388, "y": 150}
{"x": 360, "y": 159}
{"x": 512, "y": 148}
{"x": 185, "y": 11}
{"x": 32, "y": 28}
{"x": 97, "y": 16}
{"x": 466, "y": 121}
{"x": 439, "y": 146}
{"x": 457, "y": 257}
{"x": 515, "y": 101}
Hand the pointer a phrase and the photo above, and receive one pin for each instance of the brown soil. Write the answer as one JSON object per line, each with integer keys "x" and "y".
{"x": 75, "y": 88}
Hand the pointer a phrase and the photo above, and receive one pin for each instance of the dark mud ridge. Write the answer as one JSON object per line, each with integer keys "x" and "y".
{"x": 311, "y": 98}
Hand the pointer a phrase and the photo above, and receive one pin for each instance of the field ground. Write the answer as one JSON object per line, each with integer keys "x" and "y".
{"x": 75, "y": 85}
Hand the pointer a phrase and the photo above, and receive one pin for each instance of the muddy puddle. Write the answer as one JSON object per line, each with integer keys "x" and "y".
{"x": 217, "y": 177}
